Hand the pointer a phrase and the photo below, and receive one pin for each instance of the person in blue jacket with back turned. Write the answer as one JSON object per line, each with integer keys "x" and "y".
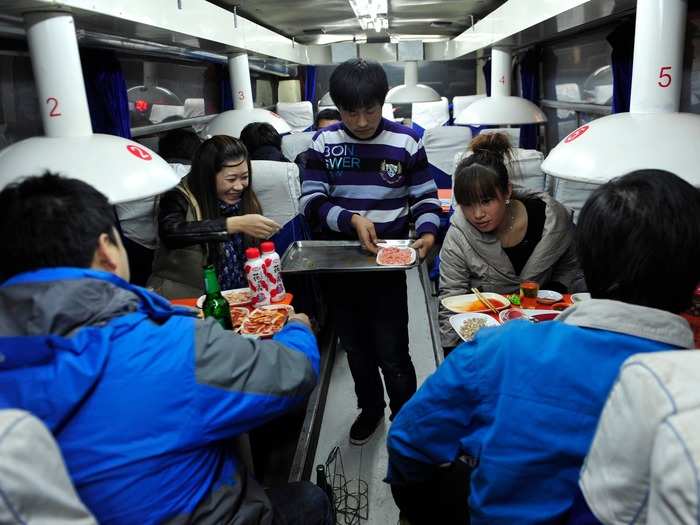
{"x": 522, "y": 400}
{"x": 143, "y": 399}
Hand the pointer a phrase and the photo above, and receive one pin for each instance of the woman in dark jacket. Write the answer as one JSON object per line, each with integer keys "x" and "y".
{"x": 209, "y": 218}
{"x": 263, "y": 142}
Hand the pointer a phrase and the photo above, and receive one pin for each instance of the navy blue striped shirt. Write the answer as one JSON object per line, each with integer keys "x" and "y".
{"x": 385, "y": 179}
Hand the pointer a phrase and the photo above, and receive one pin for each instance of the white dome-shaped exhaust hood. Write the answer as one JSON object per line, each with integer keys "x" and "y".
{"x": 653, "y": 135}
{"x": 411, "y": 91}
{"x": 501, "y": 108}
{"x": 243, "y": 113}
{"x": 121, "y": 169}
{"x": 326, "y": 101}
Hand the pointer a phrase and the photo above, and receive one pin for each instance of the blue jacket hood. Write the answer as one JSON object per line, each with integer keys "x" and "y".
{"x": 49, "y": 319}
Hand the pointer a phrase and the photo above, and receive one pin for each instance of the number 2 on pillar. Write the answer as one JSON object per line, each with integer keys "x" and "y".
{"x": 54, "y": 110}
{"x": 665, "y": 78}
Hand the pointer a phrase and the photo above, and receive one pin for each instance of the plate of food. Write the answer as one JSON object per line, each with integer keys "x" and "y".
{"x": 238, "y": 315}
{"x": 235, "y": 297}
{"x": 471, "y": 303}
{"x": 266, "y": 320}
{"x": 549, "y": 297}
{"x": 467, "y": 325}
{"x": 536, "y": 315}
{"x": 396, "y": 256}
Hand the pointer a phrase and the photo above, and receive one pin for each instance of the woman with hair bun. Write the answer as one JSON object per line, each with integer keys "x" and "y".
{"x": 500, "y": 237}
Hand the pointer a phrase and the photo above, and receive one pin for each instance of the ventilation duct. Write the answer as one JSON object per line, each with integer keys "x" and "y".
{"x": 501, "y": 108}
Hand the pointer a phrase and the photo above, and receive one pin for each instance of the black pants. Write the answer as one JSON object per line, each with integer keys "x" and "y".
{"x": 371, "y": 317}
{"x": 140, "y": 261}
{"x": 443, "y": 499}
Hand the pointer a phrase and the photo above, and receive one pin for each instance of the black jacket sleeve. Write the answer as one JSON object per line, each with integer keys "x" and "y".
{"x": 176, "y": 231}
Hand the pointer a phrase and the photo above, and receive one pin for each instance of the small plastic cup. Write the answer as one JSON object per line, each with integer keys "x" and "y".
{"x": 528, "y": 294}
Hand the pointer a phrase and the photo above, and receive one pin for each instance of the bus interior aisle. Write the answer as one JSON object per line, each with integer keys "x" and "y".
{"x": 369, "y": 461}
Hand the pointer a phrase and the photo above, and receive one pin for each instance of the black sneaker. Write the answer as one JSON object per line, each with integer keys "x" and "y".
{"x": 364, "y": 426}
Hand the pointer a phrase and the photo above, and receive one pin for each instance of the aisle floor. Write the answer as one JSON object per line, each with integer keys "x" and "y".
{"x": 369, "y": 461}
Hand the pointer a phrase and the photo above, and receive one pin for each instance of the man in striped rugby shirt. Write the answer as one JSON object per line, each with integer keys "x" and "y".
{"x": 366, "y": 178}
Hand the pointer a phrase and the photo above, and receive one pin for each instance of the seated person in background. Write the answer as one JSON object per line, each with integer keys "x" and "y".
{"x": 143, "y": 398}
{"x": 263, "y": 142}
{"x": 138, "y": 220}
{"x": 209, "y": 218}
{"x": 500, "y": 236}
{"x": 523, "y": 400}
{"x": 178, "y": 147}
{"x": 642, "y": 465}
{"x": 325, "y": 118}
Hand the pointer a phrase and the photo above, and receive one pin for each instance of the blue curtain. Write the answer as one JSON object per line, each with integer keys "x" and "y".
{"x": 310, "y": 84}
{"x": 225, "y": 95}
{"x": 530, "y": 81}
{"x": 622, "y": 42}
{"x": 106, "y": 93}
{"x": 487, "y": 76}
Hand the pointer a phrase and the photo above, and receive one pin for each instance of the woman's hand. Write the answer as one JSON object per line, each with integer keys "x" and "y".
{"x": 253, "y": 225}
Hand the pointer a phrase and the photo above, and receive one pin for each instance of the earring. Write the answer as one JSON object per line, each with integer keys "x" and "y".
{"x": 507, "y": 202}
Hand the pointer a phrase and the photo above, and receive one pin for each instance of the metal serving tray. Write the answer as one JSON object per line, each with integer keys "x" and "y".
{"x": 336, "y": 256}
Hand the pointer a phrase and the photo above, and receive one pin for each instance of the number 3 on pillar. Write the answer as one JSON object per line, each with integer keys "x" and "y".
{"x": 665, "y": 76}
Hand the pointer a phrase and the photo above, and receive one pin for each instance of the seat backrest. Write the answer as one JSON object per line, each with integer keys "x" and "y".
{"x": 295, "y": 143}
{"x": 526, "y": 169}
{"x": 35, "y": 484}
{"x": 429, "y": 115}
{"x": 643, "y": 462}
{"x": 276, "y": 184}
{"x": 459, "y": 103}
{"x": 442, "y": 144}
{"x": 570, "y": 193}
{"x": 299, "y": 115}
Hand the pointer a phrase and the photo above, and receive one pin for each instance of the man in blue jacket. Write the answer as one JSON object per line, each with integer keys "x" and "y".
{"x": 522, "y": 401}
{"x": 144, "y": 399}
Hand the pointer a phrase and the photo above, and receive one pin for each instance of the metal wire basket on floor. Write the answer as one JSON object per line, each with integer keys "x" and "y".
{"x": 349, "y": 497}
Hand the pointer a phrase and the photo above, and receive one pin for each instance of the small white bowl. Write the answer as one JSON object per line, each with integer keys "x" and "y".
{"x": 578, "y": 297}
{"x": 549, "y": 297}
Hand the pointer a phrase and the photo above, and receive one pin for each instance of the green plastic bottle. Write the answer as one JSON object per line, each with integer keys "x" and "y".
{"x": 215, "y": 305}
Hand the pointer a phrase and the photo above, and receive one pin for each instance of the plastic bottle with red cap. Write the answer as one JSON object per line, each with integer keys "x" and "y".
{"x": 273, "y": 271}
{"x": 260, "y": 290}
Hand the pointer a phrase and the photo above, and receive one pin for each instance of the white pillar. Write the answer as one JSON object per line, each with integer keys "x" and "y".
{"x": 657, "y": 69}
{"x": 410, "y": 74}
{"x": 239, "y": 72}
{"x": 501, "y": 69}
{"x": 58, "y": 75}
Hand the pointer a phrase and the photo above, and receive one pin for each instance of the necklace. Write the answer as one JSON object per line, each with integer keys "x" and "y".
{"x": 512, "y": 219}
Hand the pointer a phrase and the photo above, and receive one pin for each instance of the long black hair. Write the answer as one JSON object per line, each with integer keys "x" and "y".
{"x": 209, "y": 159}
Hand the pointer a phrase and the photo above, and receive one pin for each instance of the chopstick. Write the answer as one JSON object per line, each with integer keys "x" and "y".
{"x": 484, "y": 300}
